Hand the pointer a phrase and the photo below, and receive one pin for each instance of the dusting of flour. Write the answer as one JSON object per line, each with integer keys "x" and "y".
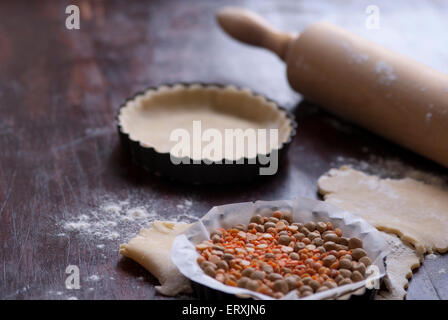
{"x": 119, "y": 219}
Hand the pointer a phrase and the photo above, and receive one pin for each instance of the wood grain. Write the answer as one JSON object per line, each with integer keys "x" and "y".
{"x": 59, "y": 92}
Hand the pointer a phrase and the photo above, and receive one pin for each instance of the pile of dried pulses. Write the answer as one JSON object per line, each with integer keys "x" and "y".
{"x": 273, "y": 256}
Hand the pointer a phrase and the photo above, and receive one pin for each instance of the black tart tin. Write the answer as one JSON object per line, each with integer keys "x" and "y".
{"x": 205, "y": 172}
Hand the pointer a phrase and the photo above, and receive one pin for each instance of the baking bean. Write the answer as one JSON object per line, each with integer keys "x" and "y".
{"x": 268, "y": 269}
{"x": 210, "y": 271}
{"x": 220, "y": 277}
{"x": 321, "y": 226}
{"x": 345, "y": 273}
{"x": 344, "y": 281}
{"x": 366, "y": 261}
{"x": 347, "y": 256}
{"x": 284, "y": 232}
{"x": 299, "y": 236}
{"x": 216, "y": 232}
{"x": 258, "y": 275}
{"x": 339, "y": 278}
{"x": 306, "y": 240}
{"x": 321, "y": 249}
{"x": 284, "y": 240}
{"x": 242, "y": 282}
{"x": 343, "y": 241}
{"x": 345, "y": 264}
{"x": 358, "y": 253}
{"x": 216, "y": 238}
{"x": 304, "y": 230}
{"x": 329, "y": 245}
{"x": 275, "y": 276}
{"x": 214, "y": 259}
{"x": 241, "y": 227}
{"x": 223, "y": 265}
{"x": 338, "y": 232}
{"x": 257, "y": 219}
{"x": 340, "y": 247}
{"x": 217, "y": 247}
{"x": 322, "y": 289}
{"x": 298, "y": 225}
{"x": 247, "y": 272}
{"x": 329, "y": 260}
{"x": 354, "y": 243}
{"x": 273, "y": 220}
{"x": 299, "y": 246}
{"x": 306, "y": 294}
{"x": 313, "y": 235}
{"x": 252, "y": 285}
{"x": 318, "y": 242}
{"x": 310, "y": 247}
{"x": 330, "y": 237}
{"x": 206, "y": 264}
{"x": 314, "y": 284}
{"x": 330, "y": 284}
{"x": 268, "y": 225}
{"x": 357, "y": 276}
{"x": 228, "y": 256}
{"x": 281, "y": 286}
{"x": 311, "y": 226}
{"x": 287, "y": 215}
{"x": 360, "y": 267}
{"x": 292, "y": 282}
{"x": 305, "y": 288}
{"x": 327, "y": 232}
{"x": 286, "y": 270}
{"x": 280, "y": 225}
{"x": 306, "y": 280}
{"x": 259, "y": 228}
{"x": 277, "y": 214}
{"x": 294, "y": 256}
{"x": 269, "y": 256}
{"x": 278, "y": 295}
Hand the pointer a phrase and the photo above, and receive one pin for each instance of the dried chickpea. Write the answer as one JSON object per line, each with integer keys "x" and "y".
{"x": 345, "y": 273}
{"x": 281, "y": 286}
{"x": 321, "y": 226}
{"x": 354, "y": 243}
{"x": 366, "y": 261}
{"x": 257, "y": 219}
{"x": 345, "y": 264}
{"x": 357, "y": 276}
{"x": 358, "y": 253}
{"x": 345, "y": 281}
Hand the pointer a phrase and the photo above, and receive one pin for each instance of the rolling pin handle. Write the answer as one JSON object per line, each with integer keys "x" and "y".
{"x": 247, "y": 27}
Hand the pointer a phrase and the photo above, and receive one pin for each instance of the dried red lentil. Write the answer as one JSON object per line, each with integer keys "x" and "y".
{"x": 273, "y": 256}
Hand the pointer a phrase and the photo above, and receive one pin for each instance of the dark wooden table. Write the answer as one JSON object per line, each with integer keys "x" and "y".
{"x": 60, "y": 156}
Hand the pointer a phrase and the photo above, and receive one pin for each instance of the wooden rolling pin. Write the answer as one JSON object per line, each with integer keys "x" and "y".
{"x": 383, "y": 91}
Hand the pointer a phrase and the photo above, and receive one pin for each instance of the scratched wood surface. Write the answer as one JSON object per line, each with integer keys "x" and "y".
{"x": 59, "y": 150}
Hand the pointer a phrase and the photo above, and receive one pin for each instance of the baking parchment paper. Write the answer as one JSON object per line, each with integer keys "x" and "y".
{"x": 184, "y": 254}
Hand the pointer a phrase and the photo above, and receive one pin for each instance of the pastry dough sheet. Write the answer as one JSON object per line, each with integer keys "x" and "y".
{"x": 400, "y": 262}
{"x": 413, "y": 210}
{"x": 151, "y": 248}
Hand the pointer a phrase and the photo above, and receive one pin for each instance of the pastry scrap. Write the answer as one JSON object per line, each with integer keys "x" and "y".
{"x": 400, "y": 261}
{"x": 151, "y": 249}
{"x": 415, "y": 211}
{"x": 273, "y": 255}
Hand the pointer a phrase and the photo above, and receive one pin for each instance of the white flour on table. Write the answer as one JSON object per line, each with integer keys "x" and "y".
{"x": 119, "y": 220}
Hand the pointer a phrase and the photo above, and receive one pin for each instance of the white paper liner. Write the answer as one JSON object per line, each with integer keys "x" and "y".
{"x": 184, "y": 254}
